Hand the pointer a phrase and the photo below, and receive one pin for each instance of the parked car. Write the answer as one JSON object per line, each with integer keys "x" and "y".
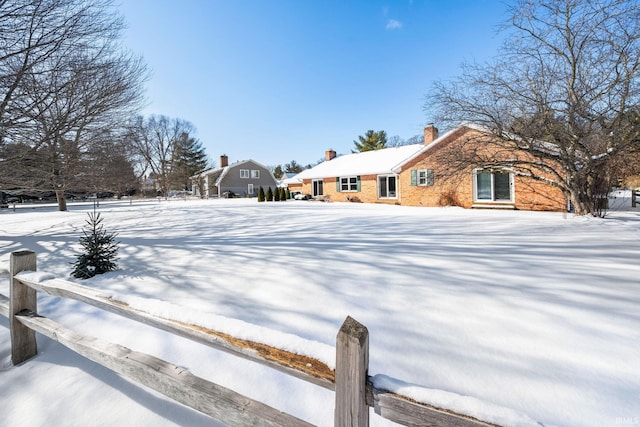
{"x": 301, "y": 196}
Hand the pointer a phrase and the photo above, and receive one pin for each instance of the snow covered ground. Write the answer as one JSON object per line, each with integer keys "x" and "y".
{"x": 535, "y": 316}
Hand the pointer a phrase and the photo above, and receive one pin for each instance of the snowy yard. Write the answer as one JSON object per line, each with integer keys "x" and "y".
{"x": 537, "y": 313}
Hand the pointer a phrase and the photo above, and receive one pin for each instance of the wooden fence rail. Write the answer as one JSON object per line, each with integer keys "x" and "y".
{"x": 354, "y": 390}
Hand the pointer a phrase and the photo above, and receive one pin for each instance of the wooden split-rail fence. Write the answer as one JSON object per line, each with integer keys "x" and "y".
{"x": 354, "y": 390}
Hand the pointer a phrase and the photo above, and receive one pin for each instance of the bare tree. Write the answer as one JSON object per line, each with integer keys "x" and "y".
{"x": 109, "y": 169}
{"x": 69, "y": 100}
{"x": 35, "y": 33}
{"x": 169, "y": 152}
{"x": 396, "y": 141}
{"x": 560, "y": 101}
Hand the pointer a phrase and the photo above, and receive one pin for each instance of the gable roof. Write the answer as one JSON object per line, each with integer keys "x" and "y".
{"x": 388, "y": 160}
{"x": 366, "y": 163}
{"x": 423, "y": 148}
{"x": 548, "y": 147}
{"x": 217, "y": 174}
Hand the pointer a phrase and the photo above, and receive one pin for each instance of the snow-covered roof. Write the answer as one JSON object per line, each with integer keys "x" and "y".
{"x": 387, "y": 160}
{"x": 365, "y": 163}
{"x": 293, "y": 179}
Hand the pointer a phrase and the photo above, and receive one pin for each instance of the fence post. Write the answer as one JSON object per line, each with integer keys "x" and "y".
{"x": 634, "y": 195}
{"x": 352, "y": 368}
{"x": 21, "y": 297}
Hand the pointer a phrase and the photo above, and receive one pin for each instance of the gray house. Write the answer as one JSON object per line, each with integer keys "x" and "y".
{"x": 242, "y": 179}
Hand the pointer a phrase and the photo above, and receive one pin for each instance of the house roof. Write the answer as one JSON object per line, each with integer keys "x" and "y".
{"x": 366, "y": 163}
{"x": 217, "y": 174}
{"x": 376, "y": 162}
{"x": 289, "y": 178}
{"x": 422, "y": 148}
{"x": 387, "y": 160}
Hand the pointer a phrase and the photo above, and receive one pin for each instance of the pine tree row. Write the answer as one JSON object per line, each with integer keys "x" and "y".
{"x": 273, "y": 195}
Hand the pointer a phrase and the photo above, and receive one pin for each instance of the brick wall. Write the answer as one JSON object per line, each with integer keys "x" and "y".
{"x": 368, "y": 191}
{"x": 453, "y": 183}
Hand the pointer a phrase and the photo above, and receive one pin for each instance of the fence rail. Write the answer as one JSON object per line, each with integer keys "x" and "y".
{"x": 354, "y": 390}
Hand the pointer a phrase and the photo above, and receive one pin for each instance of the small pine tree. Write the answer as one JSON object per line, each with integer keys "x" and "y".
{"x": 269, "y": 194}
{"x": 283, "y": 194}
{"x": 261, "y": 197}
{"x": 288, "y": 193}
{"x": 100, "y": 250}
{"x": 276, "y": 194}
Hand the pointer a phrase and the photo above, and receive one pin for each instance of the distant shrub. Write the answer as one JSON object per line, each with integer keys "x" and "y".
{"x": 269, "y": 194}
{"x": 261, "y": 197}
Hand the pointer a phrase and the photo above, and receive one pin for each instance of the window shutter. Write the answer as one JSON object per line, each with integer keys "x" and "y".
{"x": 358, "y": 183}
{"x": 414, "y": 177}
{"x": 337, "y": 184}
{"x": 429, "y": 176}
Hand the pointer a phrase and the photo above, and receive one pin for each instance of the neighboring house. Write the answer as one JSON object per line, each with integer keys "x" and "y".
{"x": 242, "y": 178}
{"x": 412, "y": 175}
{"x": 285, "y": 179}
{"x": 294, "y": 185}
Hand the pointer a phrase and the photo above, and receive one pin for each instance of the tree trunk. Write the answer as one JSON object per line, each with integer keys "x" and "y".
{"x": 62, "y": 201}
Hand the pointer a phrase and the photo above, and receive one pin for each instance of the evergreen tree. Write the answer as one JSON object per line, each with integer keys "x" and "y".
{"x": 100, "y": 250}
{"x": 372, "y": 140}
{"x": 283, "y": 194}
{"x": 293, "y": 167}
{"x": 288, "y": 194}
{"x": 269, "y": 194}
{"x": 261, "y": 196}
{"x": 276, "y": 194}
{"x": 189, "y": 159}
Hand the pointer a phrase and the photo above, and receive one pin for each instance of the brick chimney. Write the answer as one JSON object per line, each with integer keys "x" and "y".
{"x": 224, "y": 161}
{"x": 430, "y": 134}
{"x": 329, "y": 154}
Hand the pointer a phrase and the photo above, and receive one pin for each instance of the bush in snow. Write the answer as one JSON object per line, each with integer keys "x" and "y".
{"x": 276, "y": 195}
{"x": 269, "y": 194}
{"x": 261, "y": 194}
{"x": 100, "y": 250}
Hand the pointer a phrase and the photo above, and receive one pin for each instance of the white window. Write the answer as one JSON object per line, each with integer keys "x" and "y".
{"x": 244, "y": 173}
{"x": 318, "y": 189}
{"x": 387, "y": 187}
{"x": 349, "y": 183}
{"x": 496, "y": 186}
{"x": 422, "y": 177}
{"x": 425, "y": 177}
{"x": 250, "y": 189}
{"x": 255, "y": 174}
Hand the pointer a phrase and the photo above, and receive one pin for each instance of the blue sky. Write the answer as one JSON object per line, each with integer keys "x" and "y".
{"x": 282, "y": 80}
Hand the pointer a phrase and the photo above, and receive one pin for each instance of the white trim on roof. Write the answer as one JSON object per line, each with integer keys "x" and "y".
{"x": 224, "y": 172}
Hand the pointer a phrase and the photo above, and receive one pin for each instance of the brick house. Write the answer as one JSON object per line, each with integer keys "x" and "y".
{"x": 242, "y": 178}
{"x": 413, "y": 175}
